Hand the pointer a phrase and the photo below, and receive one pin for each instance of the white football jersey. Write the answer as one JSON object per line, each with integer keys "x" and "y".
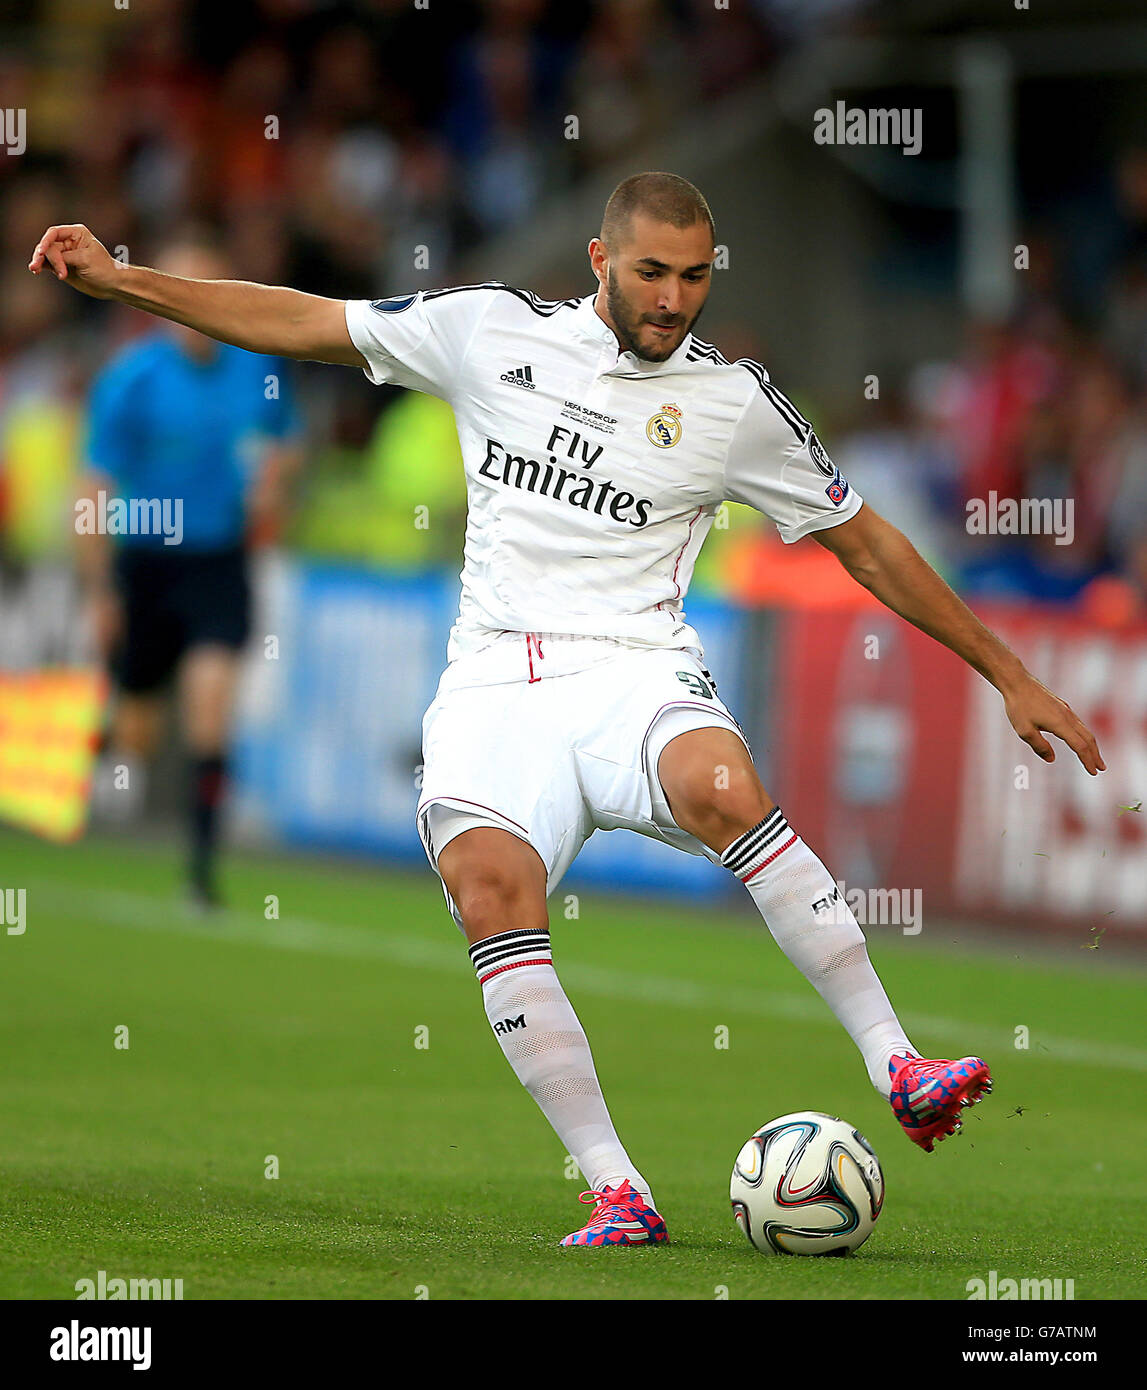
{"x": 593, "y": 476}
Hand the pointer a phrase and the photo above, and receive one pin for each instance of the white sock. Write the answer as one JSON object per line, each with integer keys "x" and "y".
{"x": 545, "y": 1044}
{"x": 814, "y": 926}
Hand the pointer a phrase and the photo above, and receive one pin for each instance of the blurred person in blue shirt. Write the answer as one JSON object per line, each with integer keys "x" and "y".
{"x": 186, "y": 438}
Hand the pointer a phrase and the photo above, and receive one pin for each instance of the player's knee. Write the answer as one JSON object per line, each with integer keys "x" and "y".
{"x": 724, "y": 797}
{"x": 492, "y": 899}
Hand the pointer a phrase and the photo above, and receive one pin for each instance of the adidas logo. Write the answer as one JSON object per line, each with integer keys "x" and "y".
{"x": 520, "y": 376}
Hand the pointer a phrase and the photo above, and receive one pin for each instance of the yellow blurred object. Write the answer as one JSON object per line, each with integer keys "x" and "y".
{"x": 38, "y": 449}
{"x": 732, "y": 524}
{"x": 414, "y": 463}
{"x": 49, "y": 728}
{"x": 401, "y": 502}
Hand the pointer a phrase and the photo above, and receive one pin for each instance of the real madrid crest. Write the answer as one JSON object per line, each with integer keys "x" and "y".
{"x": 664, "y": 428}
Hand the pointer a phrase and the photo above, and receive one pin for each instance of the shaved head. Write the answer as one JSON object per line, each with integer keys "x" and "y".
{"x": 660, "y": 197}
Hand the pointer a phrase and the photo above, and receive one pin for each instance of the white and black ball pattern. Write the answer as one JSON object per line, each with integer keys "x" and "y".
{"x": 807, "y": 1184}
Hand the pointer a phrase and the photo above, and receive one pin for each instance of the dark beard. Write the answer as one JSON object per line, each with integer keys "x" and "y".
{"x": 628, "y": 325}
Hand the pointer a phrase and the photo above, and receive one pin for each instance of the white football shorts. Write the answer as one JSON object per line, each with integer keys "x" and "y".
{"x": 512, "y": 742}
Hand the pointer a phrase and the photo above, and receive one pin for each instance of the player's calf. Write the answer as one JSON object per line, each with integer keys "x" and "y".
{"x": 498, "y": 884}
{"x": 543, "y": 1040}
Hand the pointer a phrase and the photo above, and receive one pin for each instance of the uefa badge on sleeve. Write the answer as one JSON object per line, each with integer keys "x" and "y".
{"x": 664, "y": 428}
{"x": 837, "y": 491}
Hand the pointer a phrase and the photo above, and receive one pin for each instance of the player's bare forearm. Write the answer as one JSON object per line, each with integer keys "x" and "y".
{"x": 268, "y": 319}
{"x": 887, "y": 564}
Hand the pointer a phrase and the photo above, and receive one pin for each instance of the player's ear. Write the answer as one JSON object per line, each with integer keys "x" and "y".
{"x": 599, "y": 258}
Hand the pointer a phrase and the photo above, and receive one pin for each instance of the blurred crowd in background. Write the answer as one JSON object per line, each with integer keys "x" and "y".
{"x": 393, "y": 133}
{"x": 1052, "y": 404}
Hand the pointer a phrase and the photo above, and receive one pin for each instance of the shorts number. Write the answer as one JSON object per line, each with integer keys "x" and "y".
{"x": 696, "y": 685}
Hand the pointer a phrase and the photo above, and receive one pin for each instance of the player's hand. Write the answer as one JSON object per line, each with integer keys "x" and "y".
{"x": 74, "y": 255}
{"x": 1033, "y": 708}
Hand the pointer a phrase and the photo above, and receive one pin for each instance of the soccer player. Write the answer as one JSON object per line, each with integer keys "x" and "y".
{"x": 206, "y": 432}
{"x": 599, "y": 436}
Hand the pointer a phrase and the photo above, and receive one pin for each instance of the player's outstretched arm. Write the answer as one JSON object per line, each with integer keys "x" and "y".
{"x": 885, "y": 562}
{"x": 261, "y": 318}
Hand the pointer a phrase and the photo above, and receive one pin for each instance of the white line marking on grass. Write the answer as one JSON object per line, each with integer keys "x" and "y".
{"x": 137, "y": 910}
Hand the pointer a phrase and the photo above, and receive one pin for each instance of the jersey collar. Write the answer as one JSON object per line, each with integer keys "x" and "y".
{"x": 591, "y": 325}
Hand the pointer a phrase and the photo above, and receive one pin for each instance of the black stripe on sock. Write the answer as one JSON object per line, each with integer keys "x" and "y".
{"x": 505, "y": 937}
{"x": 766, "y": 838}
{"x": 741, "y": 851}
{"x": 484, "y": 962}
{"x": 483, "y": 953}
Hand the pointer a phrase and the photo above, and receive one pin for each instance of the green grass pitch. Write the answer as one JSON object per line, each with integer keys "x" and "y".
{"x": 407, "y": 1171}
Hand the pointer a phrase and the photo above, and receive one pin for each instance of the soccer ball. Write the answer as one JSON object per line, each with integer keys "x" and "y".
{"x": 807, "y": 1184}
